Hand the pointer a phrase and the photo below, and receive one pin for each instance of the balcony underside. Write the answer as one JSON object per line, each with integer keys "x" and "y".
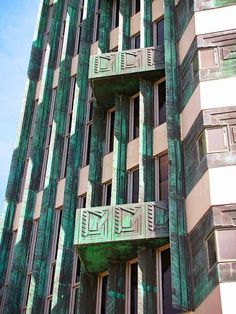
{"x": 119, "y": 72}
{"x": 115, "y": 232}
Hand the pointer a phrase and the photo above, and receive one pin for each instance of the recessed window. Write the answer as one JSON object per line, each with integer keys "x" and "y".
{"x": 106, "y": 195}
{"x": 160, "y": 102}
{"x": 96, "y": 21}
{"x": 102, "y": 292}
{"x": 132, "y": 287}
{"x": 201, "y": 145}
{"x": 82, "y": 201}
{"x": 134, "y": 118}
{"x": 211, "y": 250}
{"x": 62, "y": 33}
{"x": 79, "y": 27}
{"x": 110, "y": 123}
{"x": 115, "y": 14}
{"x": 135, "y": 41}
{"x": 158, "y": 33}
{"x": 135, "y": 6}
{"x": 88, "y": 128}
{"x": 195, "y": 65}
{"x": 161, "y": 178}
{"x": 133, "y": 186}
{"x": 74, "y": 304}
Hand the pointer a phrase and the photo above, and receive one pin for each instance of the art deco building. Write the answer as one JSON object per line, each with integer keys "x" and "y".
{"x": 122, "y": 190}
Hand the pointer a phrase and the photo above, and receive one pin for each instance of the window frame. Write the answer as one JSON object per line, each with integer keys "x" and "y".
{"x": 134, "y": 7}
{"x": 157, "y": 174}
{"x": 128, "y": 283}
{"x": 74, "y": 284}
{"x": 115, "y": 8}
{"x": 131, "y": 184}
{"x": 79, "y": 25}
{"x": 131, "y": 116}
{"x": 104, "y": 192}
{"x": 155, "y": 23}
{"x": 156, "y": 102}
{"x": 99, "y": 291}
{"x": 133, "y": 41}
{"x": 108, "y": 131}
{"x": 96, "y": 24}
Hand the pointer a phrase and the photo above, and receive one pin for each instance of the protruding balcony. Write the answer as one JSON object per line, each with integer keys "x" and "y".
{"x": 105, "y": 232}
{"x": 118, "y": 72}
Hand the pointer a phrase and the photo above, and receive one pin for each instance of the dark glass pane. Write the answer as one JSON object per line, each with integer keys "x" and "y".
{"x": 111, "y": 139}
{"x": 137, "y": 6}
{"x": 108, "y": 194}
{"x": 162, "y": 102}
{"x": 90, "y": 111}
{"x": 97, "y": 30}
{"x": 104, "y": 294}
{"x": 211, "y": 249}
{"x": 136, "y": 118}
{"x": 166, "y": 283}
{"x": 137, "y": 42}
{"x": 134, "y": 289}
{"x": 163, "y": 178}
{"x": 52, "y": 278}
{"x": 84, "y": 202}
{"x": 76, "y": 304}
{"x": 77, "y": 270}
{"x": 88, "y": 144}
{"x": 78, "y": 39}
{"x": 160, "y": 32}
{"x": 117, "y": 13}
{"x": 135, "y": 191}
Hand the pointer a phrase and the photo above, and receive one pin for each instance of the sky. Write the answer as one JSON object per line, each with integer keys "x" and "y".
{"x": 17, "y": 24}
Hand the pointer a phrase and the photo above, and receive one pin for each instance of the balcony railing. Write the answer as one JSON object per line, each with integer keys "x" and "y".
{"x": 126, "y": 62}
{"x": 127, "y": 222}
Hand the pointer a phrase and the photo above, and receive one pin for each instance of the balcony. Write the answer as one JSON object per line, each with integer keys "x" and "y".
{"x": 119, "y": 72}
{"x": 109, "y": 232}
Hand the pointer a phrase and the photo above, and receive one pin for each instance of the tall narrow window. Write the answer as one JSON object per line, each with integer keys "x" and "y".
{"x": 134, "y": 118}
{"x": 46, "y": 39}
{"x": 75, "y": 284}
{"x": 160, "y": 102}
{"x": 62, "y": 33}
{"x": 30, "y": 263}
{"x": 106, "y": 195}
{"x": 53, "y": 258}
{"x": 102, "y": 293}
{"x": 115, "y": 14}
{"x": 35, "y": 105}
{"x": 110, "y": 130}
{"x": 133, "y": 186}
{"x": 82, "y": 201}
{"x": 158, "y": 33}
{"x": 135, "y": 41}
{"x": 68, "y": 128}
{"x": 88, "y": 128}
{"x": 48, "y": 139}
{"x": 132, "y": 287}
{"x": 164, "y": 282}
{"x": 96, "y": 21}
{"x": 162, "y": 178}
{"x": 135, "y": 6}
{"x": 79, "y": 27}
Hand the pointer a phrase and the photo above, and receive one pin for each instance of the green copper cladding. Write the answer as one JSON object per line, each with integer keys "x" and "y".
{"x": 177, "y": 223}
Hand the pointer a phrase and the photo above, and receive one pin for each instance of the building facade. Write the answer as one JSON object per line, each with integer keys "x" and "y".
{"x": 121, "y": 194}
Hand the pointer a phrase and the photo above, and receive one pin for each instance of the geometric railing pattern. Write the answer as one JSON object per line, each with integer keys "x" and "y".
{"x": 126, "y": 62}
{"x": 121, "y": 222}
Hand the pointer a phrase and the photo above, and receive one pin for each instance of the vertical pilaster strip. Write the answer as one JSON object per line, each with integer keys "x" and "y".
{"x": 96, "y": 153}
{"x": 87, "y": 293}
{"x": 120, "y": 150}
{"x": 177, "y": 223}
{"x": 147, "y": 290}
{"x": 146, "y": 23}
{"x": 146, "y": 162}
{"x": 124, "y": 25}
{"x": 105, "y": 26}
{"x": 115, "y": 303}
{"x": 60, "y": 301}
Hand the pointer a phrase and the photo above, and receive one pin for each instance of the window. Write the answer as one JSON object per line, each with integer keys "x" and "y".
{"x": 46, "y": 39}
{"x": 134, "y": 118}
{"x": 53, "y": 258}
{"x": 82, "y": 201}
{"x": 48, "y": 139}
{"x": 106, "y": 193}
{"x": 132, "y": 287}
{"x": 102, "y": 292}
{"x": 75, "y": 284}
{"x": 160, "y": 102}
{"x": 110, "y": 123}
{"x": 96, "y": 21}
{"x": 88, "y": 128}
{"x": 68, "y": 127}
{"x": 30, "y": 263}
{"x": 195, "y": 65}
{"x": 161, "y": 178}
{"x": 164, "y": 301}
{"x": 201, "y": 144}
{"x": 135, "y": 41}
{"x": 62, "y": 33}
{"x": 158, "y": 33}
{"x": 133, "y": 186}
{"x": 115, "y": 14}
{"x": 135, "y": 6}
{"x": 79, "y": 27}
{"x": 211, "y": 250}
